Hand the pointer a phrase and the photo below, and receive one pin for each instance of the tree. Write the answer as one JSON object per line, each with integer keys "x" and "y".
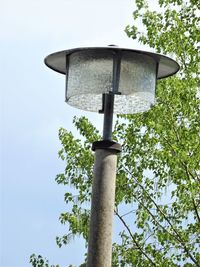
{"x": 158, "y": 177}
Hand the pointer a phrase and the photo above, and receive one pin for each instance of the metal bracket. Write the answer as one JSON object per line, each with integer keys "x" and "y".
{"x": 101, "y": 111}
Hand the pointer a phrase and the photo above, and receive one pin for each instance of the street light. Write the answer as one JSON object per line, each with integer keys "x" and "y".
{"x": 108, "y": 80}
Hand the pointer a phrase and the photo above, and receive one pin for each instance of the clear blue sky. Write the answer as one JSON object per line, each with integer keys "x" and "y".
{"x": 33, "y": 109}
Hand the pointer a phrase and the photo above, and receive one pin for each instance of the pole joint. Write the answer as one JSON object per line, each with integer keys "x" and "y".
{"x": 107, "y": 145}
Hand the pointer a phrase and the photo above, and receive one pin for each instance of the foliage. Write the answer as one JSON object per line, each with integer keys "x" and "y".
{"x": 39, "y": 261}
{"x": 158, "y": 177}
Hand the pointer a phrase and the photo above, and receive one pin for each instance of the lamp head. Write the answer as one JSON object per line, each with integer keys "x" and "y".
{"x": 130, "y": 75}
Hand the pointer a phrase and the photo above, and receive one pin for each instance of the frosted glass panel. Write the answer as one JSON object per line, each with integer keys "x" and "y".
{"x": 90, "y": 102}
{"x": 137, "y": 83}
{"x": 90, "y": 75}
{"x": 130, "y": 104}
{"x": 138, "y": 73}
{"x": 123, "y": 104}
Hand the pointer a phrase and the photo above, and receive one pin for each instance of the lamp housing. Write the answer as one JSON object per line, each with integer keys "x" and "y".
{"x": 93, "y": 72}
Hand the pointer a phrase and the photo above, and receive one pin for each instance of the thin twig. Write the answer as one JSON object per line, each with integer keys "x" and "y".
{"x": 134, "y": 240}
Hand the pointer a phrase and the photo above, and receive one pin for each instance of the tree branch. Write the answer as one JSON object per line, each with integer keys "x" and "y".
{"x": 178, "y": 237}
{"x": 196, "y": 210}
{"x": 193, "y": 201}
{"x": 134, "y": 240}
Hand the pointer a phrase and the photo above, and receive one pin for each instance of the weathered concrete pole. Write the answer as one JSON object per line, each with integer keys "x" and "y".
{"x": 103, "y": 198}
{"x": 103, "y": 192}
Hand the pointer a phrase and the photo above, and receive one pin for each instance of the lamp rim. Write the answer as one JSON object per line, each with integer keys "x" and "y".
{"x": 57, "y": 61}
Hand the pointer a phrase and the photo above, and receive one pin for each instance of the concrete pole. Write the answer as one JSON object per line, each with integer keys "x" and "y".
{"x": 102, "y": 210}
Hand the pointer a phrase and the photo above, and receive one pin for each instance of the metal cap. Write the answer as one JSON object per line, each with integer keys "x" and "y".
{"x": 166, "y": 66}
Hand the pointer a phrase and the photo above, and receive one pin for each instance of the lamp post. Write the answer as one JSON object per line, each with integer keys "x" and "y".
{"x": 108, "y": 80}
